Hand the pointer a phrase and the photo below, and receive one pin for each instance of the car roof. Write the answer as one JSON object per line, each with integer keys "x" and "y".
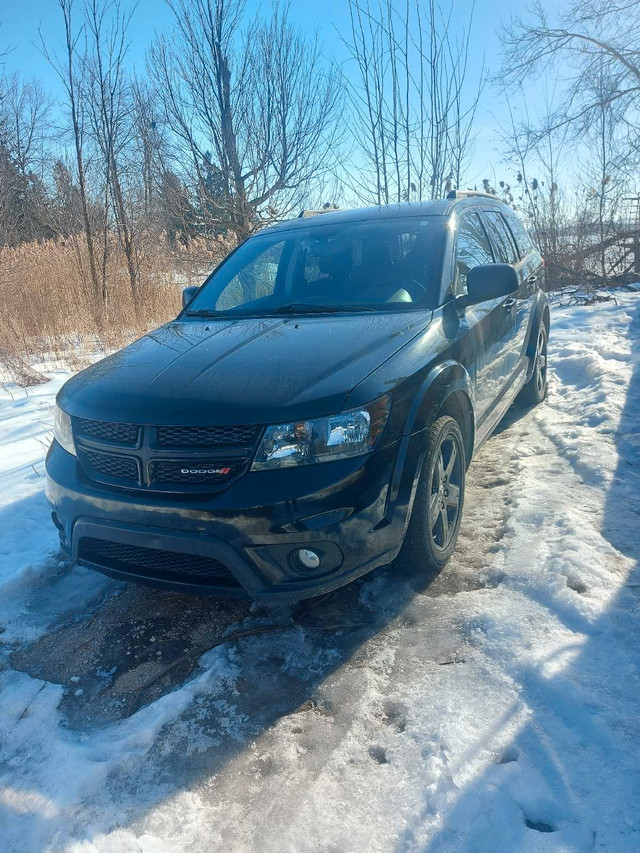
{"x": 439, "y": 208}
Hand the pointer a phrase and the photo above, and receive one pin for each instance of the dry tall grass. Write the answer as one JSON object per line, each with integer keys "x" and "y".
{"x": 49, "y": 311}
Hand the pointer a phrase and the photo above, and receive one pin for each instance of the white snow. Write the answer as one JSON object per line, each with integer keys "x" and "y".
{"x": 496, "y": 709}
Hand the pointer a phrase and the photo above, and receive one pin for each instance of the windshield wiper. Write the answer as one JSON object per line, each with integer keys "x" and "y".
{"x": 291, "y": 308}
{"x": 310, "y": 308}
{"x": 302, "y": 308}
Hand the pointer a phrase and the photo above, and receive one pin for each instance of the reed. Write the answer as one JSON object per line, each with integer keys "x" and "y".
{"x": 51, "y": 313}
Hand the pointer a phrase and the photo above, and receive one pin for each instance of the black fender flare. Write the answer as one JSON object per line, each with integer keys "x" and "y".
{"x": 442, "y": 381}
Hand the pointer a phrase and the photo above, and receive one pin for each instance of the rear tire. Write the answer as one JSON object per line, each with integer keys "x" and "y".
{"x": 437, "y": 509}
{"x": 536, "y": 388}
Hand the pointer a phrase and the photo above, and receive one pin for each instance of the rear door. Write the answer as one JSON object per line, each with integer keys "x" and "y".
{"x": 531, "y": 272}
{"x": 507, "y": 252}
{"x": 490, "y": 323}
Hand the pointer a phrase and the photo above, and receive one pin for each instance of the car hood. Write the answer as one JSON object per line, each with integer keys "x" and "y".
{"x": 239, "y": 371}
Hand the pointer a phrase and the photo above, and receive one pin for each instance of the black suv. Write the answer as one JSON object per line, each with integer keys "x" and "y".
{"x": 311, "y": 413}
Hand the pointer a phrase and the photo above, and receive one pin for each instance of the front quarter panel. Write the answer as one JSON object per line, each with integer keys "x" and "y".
{"x": 419, "y": 378}
{"x": 421, "y": 375}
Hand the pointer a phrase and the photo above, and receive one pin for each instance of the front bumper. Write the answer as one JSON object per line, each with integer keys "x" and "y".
{"x": 353, "y": 513}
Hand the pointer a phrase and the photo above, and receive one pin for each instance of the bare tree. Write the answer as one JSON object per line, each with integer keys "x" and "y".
{"x": 110, "y": 105}
{"x": 69, "y": 71}
{"x": 24, "y": 145}
{"x": 151, "y": 145}
{"x": 590, "y": 39}
{"x": 598, "y": 49}
{"x": 252, "y": 110}
{"x": 413, "y": 128}
{"x": 25, "y": 110}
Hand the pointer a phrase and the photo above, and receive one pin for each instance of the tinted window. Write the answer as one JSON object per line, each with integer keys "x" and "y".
{"x": 522, "y": 238}
{"x": 390, "y": 263}
{"x": 502, "y": 239}
{"x": 473, "y": 248}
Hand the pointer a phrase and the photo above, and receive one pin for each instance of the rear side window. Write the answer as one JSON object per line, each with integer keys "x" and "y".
{"x": 502, "y": 239}
{"x": 522, "y": 238}
{"x": 473, "y": 249}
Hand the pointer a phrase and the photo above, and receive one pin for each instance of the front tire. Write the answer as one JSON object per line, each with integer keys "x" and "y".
{"x": 437, "y": 509}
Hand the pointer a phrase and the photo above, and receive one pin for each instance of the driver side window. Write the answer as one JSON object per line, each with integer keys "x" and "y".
{"x": 473, "y": 248}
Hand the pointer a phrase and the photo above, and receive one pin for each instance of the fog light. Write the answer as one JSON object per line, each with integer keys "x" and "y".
{"x": 308, "y": 558}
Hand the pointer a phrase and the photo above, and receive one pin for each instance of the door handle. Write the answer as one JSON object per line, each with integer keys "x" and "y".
{"x": 508, "y": 304}
{"x": 532, "y": 279}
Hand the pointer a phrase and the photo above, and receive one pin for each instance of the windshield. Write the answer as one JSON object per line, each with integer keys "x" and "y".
{"x": 354, "y": 266}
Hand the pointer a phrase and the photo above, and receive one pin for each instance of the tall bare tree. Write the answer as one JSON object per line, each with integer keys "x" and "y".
{"x": 589, "y": 39}
{"x": 110, "y": 105}
{"x": 151, "y": 145}
{"x": 413, "y": 111}
{"x": 69, "y": 69}
{"x": 596, "y": 49}
{"x": 25, "y": 116}
{"x": 24, "y": 144}
{"x": 253, "y": 110}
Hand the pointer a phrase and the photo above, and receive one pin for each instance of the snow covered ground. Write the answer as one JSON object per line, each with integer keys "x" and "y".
{"x": 495, "y": 708}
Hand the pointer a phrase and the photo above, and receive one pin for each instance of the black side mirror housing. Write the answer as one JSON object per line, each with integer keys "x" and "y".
{"x": 188, "y": 293}
{"x": 489, "y": 281}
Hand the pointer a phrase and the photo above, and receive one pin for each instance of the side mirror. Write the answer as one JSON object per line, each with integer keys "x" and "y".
{"x": 188, "y": 293}
{"x": 489, "y": 281}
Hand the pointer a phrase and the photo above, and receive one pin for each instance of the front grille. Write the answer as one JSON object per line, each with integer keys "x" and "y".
{"x": 110, "y": 465}
{"x": 206, "y": 436}
{"x": 117, "y": 433}
{"x": 186, "y": 471}
{"x": 165, "y": 458}
{"x": 155, "y": 563}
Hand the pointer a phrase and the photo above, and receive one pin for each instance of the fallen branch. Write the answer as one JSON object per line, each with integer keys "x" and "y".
{"x": 26, "y": 710}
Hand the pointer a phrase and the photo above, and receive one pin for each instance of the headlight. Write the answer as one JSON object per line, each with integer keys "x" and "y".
{"x": 322, "y": 439}
{"x": 62, "y": 430}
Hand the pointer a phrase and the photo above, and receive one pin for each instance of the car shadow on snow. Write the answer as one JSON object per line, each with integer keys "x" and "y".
{"x": 140, "y": 643}
{"x": 131, "y": 647}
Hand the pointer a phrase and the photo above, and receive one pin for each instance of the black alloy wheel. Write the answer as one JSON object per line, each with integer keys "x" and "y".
{"x": 437, "y": 509}
{"x": 536, "y": 388}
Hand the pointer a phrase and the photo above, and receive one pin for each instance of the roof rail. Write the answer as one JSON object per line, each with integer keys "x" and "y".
{"x": 455, "y": 194}
{"x": 305, "y": 214}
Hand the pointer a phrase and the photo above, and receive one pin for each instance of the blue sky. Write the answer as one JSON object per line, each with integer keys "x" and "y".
{"x": 20, "y": 21}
